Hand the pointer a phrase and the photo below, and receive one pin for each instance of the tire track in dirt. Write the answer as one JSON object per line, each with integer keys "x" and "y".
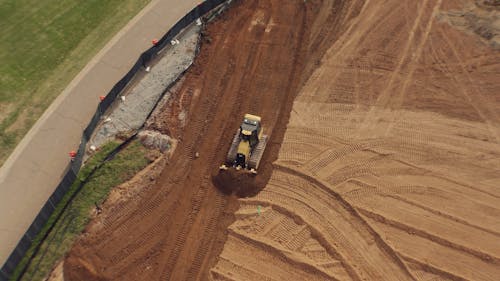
{"x": 452, "y": 179}
{"x": 250, "y": 239}
{"x": 189, "y": 152}
{"x": 397, "y": 101}
{"x": 342, "y": 43}
{"x": 355, "y": 66}
{"x": 397, "y": 192}
{"x": 350, "y": 252}
{"x": 456, "y": 265}
{"x": 439, "y": 273}
{"x": 370, "y": 124}
{"x": 459, "y": 239}
{"x": 210, "y": 226}
{"x": 293, "y": 237}
{"x": 422, "y": 233}
{"x": 181, "y": 238}
{"x": 317, "y": 233}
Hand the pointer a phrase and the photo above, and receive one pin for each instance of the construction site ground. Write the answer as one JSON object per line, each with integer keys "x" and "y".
{"x": 382, "y": 164}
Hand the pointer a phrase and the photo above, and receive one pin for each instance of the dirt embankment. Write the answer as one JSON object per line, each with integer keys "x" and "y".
{"x": 252, "y": 61}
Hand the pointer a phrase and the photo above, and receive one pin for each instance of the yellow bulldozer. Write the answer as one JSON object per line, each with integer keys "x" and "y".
{"x": 248, "y": 145}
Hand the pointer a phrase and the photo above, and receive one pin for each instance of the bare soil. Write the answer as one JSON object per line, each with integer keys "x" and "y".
{"x": 251, "y": 62}
{"x": 389, "y": 168}
{"x": 382, "y": 162}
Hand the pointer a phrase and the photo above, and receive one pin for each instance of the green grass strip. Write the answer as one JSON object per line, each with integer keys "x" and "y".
{"x": 74, "y": 219}
{"x": 43, "y": 45}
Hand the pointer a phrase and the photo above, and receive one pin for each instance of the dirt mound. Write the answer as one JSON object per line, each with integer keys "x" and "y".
{"x": 155, "y": 140}
{"x": 242, "y": 183}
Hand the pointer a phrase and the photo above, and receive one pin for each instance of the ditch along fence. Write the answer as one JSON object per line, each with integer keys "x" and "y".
{"x": 74, "y": 167}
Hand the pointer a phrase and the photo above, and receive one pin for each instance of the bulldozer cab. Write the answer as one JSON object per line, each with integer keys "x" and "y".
{"x": 250, "y": 129}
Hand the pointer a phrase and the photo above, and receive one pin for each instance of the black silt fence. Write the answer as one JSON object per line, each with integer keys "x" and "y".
{"x": 74, "y": 167}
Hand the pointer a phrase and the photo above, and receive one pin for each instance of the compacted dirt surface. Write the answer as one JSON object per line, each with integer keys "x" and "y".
{"x": 383, "y": 161}
{"x": 390, "y": 165}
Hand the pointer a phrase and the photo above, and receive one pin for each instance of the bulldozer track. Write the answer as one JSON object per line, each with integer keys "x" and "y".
{"x": 258, "y": 152}
{"x": 233, "y": 149}
{"x": 207, "y": 241}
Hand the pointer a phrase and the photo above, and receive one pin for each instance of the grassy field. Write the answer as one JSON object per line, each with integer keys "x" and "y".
{"x": 74, "y": 219}
{"x": 43, "y": 45}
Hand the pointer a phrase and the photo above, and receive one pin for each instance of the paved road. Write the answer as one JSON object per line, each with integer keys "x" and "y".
{"x": 33, "y": 171}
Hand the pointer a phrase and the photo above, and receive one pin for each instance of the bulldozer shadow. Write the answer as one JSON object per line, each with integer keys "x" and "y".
{"x": 241, "y": 183}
